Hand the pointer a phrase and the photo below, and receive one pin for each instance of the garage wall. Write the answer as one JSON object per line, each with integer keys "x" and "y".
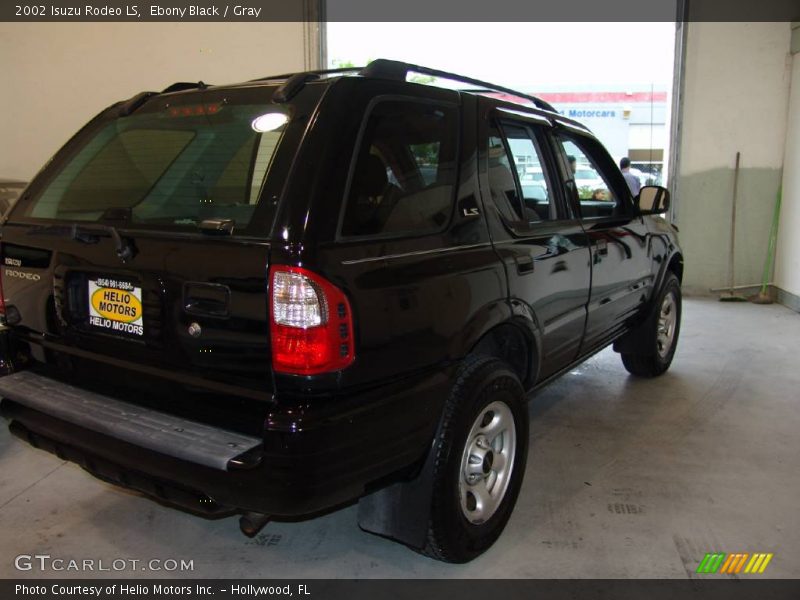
{"x": 787, "y": 262}
{"x": 736, "y": 93}
{"x": 56, "y": 76}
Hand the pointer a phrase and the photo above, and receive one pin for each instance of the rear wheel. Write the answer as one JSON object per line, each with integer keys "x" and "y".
{"x": 659, "y": 335}
{"x": 479, "y": 462}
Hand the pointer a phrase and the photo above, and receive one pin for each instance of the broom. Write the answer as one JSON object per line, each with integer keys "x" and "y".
{"x": 730, "y": 296}
{"x": 763, "y": 296}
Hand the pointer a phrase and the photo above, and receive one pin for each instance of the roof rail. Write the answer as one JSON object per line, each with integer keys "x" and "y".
{"x": 295, "y": 81}
{"x": 127, "y": 107}
{"x": 393, "y": 69}
{"x": 317, "y": 72}
{"x": 291, "y": 86}
{"x": 179, "y": 86}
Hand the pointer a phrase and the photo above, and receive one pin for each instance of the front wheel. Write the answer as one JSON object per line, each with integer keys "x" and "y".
{"x": 659, "y": 335}
{"x": 480, "y": 461}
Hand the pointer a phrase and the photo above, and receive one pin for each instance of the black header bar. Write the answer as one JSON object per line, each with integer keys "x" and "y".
{"x": 399, "y": 10}
{"x": 708, "y": 588}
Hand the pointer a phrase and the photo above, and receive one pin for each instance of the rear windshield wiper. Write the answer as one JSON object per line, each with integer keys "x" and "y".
{"x": 90, "y": 234}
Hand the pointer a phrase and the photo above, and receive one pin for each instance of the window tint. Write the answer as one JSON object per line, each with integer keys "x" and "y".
{"x": 405, "y": 170}
{"x": 537, "y": 201}
{"x": 584, "y": 179}
{"x": 165, "y": 168}
{"x": 121, "y": 172}
{"x": 502, "y": 184}
{"x": 517, "y": 180}
{"x": 267, "y": 145}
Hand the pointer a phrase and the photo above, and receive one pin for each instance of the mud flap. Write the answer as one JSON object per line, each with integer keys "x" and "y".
{"x": 401, "y": 511}
{"x": 636, "y": 340}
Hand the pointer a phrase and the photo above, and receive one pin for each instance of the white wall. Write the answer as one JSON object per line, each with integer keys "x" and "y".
{"x": 787, "y": 265}
{"x": 737, "y": 78}
{"x": 736, "y": 89}
{"x": 56, "y": 76}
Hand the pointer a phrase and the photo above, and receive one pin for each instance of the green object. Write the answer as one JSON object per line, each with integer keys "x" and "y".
{"x": 711, "y": 562}
{"x": 773, "y": 240}
{"x": 763, "y": 296}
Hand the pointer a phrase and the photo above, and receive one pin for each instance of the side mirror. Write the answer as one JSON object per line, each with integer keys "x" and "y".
{"x": 652, "y": 200}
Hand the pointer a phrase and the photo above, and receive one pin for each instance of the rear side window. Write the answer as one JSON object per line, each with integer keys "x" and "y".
{"x": 403, "y": 179}
{"x": 501, "y": 180}
{"x": 165, "y": 168}
{"x": 517, "y": 180}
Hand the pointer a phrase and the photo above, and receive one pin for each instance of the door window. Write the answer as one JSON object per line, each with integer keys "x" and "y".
{"x": 597, "y": 196}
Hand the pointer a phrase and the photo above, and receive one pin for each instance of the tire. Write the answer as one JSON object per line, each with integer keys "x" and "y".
{"x": 486, "y": 404}
{"x": 653, "y": 355}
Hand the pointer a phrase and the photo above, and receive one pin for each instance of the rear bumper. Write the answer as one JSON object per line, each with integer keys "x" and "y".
{"x": 146, "y": 428}
{"x": 312, "y": 456}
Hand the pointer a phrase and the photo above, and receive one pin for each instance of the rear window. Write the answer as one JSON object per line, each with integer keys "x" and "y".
{"x": 403, "y": 180}
{"x": 9, "y": 192}
{"x": 176, "y": 166}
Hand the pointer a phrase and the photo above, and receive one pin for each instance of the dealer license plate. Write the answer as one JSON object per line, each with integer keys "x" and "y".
{"x": 115, "y": 306}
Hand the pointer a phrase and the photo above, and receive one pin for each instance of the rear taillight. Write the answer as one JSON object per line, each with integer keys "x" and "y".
{"x": 311, "y": 323}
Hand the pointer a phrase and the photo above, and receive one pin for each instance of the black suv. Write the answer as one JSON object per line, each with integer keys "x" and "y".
{"x": 279, "y": 297}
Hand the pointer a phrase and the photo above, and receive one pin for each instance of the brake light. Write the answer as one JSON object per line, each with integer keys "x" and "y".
{"x": 194, "y": 110}
{"x": 311, "y": 323}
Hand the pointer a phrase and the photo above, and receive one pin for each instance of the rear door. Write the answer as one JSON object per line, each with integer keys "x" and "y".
{"x": 143, "y": 249}
{"x": 543, "y": 247}
{"x": 410, "y": 248}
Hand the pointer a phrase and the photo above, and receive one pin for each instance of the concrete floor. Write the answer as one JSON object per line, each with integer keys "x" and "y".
{"x": 625, "y": 478}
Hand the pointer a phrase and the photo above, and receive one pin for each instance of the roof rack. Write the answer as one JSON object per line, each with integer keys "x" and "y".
{"x": 180, "y": 86}
{"x": 317, "y": 72}
{"x": 295, "y": 81}
{"x": 129, "y": 106}
{"x": 393, "y": 69}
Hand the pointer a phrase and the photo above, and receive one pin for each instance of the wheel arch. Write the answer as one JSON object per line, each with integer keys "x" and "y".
{"x": 515, "y": 342}
{"x": 675, "y": 265}
{"x": 631, "y": 341}
{"x": 672, "y": 263}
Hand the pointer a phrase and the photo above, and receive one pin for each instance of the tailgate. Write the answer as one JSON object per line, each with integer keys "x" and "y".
{"x": 138, "y": 257}
{"x": 192, "y": 311}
